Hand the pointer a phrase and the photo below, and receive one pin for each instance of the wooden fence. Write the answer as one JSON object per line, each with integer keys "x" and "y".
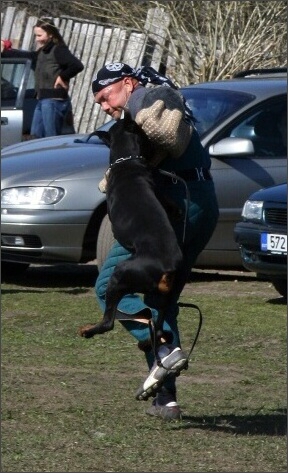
{"x": 95, "y": 45}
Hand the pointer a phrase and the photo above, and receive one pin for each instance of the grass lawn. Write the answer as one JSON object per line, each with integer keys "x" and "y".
{"x": 68, "y": 404}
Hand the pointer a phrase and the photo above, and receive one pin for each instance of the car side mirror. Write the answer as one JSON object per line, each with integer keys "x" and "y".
{"x": 232, "y": 147}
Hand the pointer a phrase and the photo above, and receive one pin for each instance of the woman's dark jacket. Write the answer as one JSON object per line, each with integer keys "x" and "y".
{"x": 49, "y": 62}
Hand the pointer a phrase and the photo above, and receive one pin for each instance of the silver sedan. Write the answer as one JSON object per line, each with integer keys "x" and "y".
{"x": 53, "y": 212}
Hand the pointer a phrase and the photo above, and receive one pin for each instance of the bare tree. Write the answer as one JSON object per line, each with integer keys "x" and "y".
{"x": 204, "y": 40}
{"x": 234, "y": 36}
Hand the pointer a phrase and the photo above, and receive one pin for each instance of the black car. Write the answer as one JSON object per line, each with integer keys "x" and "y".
{"x": 262, "y": 235}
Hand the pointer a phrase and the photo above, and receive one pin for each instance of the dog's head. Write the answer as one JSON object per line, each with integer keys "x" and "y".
{"x": 126, "y": 138}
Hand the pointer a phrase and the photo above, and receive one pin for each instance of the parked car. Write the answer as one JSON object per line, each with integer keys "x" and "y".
{"x": 262, "y": 235}
{"x": 53, "y": 212}
{"x": 18, "y": 98}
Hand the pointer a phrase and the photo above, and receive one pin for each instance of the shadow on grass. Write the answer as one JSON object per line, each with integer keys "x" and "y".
{"x": 278, "y": 301}
{"x": 58, "y": 276}
{"x": 266, "y": 424}
{"x": 85, "y": 275}
{"x": 73, "y": 292}
{"x": 67, "y": 275}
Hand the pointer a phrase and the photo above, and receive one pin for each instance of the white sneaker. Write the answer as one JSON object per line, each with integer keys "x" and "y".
{"x": 174, "y": 362}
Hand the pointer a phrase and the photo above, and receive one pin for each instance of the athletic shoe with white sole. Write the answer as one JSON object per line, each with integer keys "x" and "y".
{"x": 169, "y": 412}
{"x": 174, "y": 362}
{"x": 165, "y": 405}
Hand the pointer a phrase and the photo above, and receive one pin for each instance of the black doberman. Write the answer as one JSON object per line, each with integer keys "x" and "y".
{"x": 139, "y": 223}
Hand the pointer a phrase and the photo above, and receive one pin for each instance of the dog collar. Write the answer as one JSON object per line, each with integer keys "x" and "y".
{"x": 120, "y": 160}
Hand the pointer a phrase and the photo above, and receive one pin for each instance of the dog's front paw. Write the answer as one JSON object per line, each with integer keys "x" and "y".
{"x": 86, "y": 331}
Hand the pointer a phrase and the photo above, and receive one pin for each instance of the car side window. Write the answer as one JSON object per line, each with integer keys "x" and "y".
{"x": 8, "y": 91}
{"x": 10, "y": 80}
{"x": 11, "y": 77}
{"x": 267, "y": 128}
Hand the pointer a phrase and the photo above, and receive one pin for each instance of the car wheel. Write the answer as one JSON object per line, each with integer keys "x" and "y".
{"x": 104, "y": 242}
{"x": 11, "y": 271}
{"x": 280, "y": 286}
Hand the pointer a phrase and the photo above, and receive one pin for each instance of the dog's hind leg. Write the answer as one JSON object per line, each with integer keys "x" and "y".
{"x": 157, "y": 335}
{"x": 107, "y": 323}
{"x": 164, "y": 288}
{"x": 89, "y": 330}
{"x": 120, "y": 283}
{"x": 130, "y": 276}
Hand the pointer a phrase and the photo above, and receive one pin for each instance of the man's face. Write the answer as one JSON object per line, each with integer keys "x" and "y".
{"x": 114, "y": 97}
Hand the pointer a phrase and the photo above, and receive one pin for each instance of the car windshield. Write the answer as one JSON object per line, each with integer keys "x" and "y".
{"x": 210, "y": 107}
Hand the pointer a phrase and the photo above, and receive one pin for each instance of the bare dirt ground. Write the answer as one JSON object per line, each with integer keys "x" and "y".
{"x": 215, "y": 281}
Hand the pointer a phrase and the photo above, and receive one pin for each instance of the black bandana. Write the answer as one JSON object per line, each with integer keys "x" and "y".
{"x": 115, "y": 71}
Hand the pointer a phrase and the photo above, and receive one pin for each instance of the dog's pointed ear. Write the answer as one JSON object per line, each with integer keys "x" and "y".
{"x": 104, "y": 136}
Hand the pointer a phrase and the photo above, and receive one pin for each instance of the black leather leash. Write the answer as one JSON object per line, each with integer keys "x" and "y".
{"x": 154, "y": 338}
{"x": 172, "y": 175}
{"x": 193, "y": 306}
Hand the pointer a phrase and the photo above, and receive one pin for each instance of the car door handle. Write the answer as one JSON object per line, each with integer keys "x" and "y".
{"x": 4, "y": 121}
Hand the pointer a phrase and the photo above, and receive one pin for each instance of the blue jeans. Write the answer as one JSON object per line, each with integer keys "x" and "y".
{"x": 48, "y": 118}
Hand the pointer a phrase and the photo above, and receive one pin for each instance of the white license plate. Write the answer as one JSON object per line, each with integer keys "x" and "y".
{"x": 274, "y": 243}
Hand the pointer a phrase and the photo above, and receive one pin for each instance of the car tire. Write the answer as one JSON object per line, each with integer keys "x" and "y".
{"x": 280, "y": 286}
{"x": 12, "y": 271}
{"x": 104, "y": 241}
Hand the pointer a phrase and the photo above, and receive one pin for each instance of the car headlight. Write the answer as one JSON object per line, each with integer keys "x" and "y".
{"x": 31, "y": 195}
{"x": 252, "y": 210}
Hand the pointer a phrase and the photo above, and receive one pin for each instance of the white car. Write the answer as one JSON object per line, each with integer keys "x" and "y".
{"x": 18, "y": 99}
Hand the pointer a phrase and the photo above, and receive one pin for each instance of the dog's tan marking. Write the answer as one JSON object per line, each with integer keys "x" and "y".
{"x": 166, "y": 282}
{"x": 82, "y": 330}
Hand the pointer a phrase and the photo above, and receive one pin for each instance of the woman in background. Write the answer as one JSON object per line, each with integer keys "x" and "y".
{"x": 54, "y": 66}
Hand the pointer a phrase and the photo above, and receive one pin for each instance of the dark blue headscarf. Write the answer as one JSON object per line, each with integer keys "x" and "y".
{"x": 115, "y": 71}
